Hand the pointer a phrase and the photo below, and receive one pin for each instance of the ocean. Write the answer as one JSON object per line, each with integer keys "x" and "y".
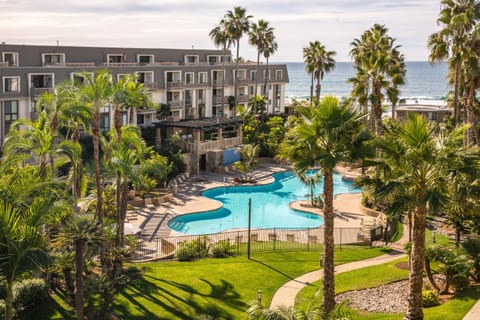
{"x": 424, "y": 82}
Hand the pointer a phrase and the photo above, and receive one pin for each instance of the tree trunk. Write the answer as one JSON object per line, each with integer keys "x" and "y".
{"x": 428, "y": 272}
{"x": 311, "y": 90}
{"x": 9, "y": 300}
{"x": 79, "y": 292}
{"x": 414, "y": 309}
{"x": 223, "y": 82}
{"x": 455, "y": 94}
{"x": 256, "y": 82}
{"x": 318, "y": 88}
{"x": 267, "y": 76}
{"x": 99, "y": 182}
{"x": 470, "y": 116}
{"x": 377, "y": 109}
{"x": 328, "y": 266}
{"x": 236, "y": 78}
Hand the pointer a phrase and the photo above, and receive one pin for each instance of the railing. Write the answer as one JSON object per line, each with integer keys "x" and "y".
{"x": 242, "y": 98}
{"x": 121, "y": 64}
{"x": 4, "y": 64}
{"x": 218, "y": 100}
{"x": 175, "y": 85}
{"x": 261, "y": 240}
{"x": 176, "y": 104}
{"x": 204, "y": 147}
{"x": 39, "y": 91}
{"x": 217, "y": 83}
{"x": 243, "y": 81}
{"x": 150, "y": 85}
{"x": 69, "y": 64}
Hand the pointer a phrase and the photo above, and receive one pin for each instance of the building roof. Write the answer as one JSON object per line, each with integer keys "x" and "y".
{"x": 423, "y": 108}
{"x": 209, "y": 123}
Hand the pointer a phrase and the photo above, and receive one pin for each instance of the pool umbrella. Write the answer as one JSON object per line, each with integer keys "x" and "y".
{"x": 131, "y": 229}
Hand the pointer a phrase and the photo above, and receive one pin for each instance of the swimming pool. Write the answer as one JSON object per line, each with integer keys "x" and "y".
{"x": 269, "y": 206}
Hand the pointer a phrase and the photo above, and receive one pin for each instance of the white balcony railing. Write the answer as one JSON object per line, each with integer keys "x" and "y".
{"x": 205, "y": 146}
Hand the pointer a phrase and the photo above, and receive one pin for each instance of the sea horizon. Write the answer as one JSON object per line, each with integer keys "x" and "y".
{"x": 423, "y": 81}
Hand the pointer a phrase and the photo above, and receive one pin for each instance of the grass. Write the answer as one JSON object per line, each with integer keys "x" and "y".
{"x": 453, "y": 309}
{"x": 222, "y": 288}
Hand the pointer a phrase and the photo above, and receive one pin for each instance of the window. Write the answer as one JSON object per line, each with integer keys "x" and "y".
{"x": 104, "y": 122}
{"x": 251, "y": 90}
{"x": 266, "y": 74}
{"x": 214, "y": 59}
{"x": 78, "y": 78}
{"x": 116, "y": 58}
{"x": 11, "y": 84}
{"x": 253, "y": 75}
{"x": 239, "y": 74}
{"x": 10, "y": 113}
{"x": 201, "y": 96}
{"x": 145, "y": 58}
{"x": 41, "y": 80}
{"x": 53, "y": 58}
{"x": 140, "y": 119}
{"x": 189, "y": 76}
{"x": 278, "y": 74}
{"x": 202, "y": 77}
{"x": 191, "y": 59}
{"x": 10, "y": 58}
{"x": 145, "y": 76}
{"x": 188, "y": 97}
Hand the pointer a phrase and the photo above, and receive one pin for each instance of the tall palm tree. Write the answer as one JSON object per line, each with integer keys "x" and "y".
{"x": 318, "y": 61}
{"x": 326, "y": 135}
{"x": 261, "y": 36}
{"x": 271, "y": 46}
{"x": 458, "y": 19}
{"x": 238, "y": 23}
{"x": 380, "y": 71}
{"x": 412, "y": 169}
{"x": 77, "y": 231}
{"x": 220, "y": 37}
{"x": 96, "y": 93}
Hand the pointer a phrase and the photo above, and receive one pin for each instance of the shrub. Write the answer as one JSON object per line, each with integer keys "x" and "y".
{"x": 30, "y": 292}
{"x": 221, "y": 249}
{"x": 429, "y": 298}
{"x": 190, "y": 250}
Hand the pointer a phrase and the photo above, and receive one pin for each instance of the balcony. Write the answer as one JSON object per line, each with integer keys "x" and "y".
{"x": 216, "y": 100}
{"x": 217, "y": 83}
{"x": 175, "y": 104}
{"x": 120, "y": 64}
{"x": 243, "y": 98}
{"x": 175, "y": 85}
{"x": 243, "y": 81}
{"x": 39, "y": 91}
{"x": 150, "y": 85}
{"x": 205, "y": 146}
{"x": 4, "y": 64}
{"x": 70, "y": 64}
{"x": 188, "y": 102}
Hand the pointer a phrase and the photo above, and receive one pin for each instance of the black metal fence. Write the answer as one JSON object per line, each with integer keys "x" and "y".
{"x": 261, "y": 240}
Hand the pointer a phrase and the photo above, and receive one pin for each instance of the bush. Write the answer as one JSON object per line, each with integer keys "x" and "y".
{"x": 429, "y": 298}
{"x": 190, "y": 250}
{"x": 221, "y": 249}
{"x": 29, "y": 293}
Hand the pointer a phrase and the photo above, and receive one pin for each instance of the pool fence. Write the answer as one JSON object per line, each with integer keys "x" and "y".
{"x": 261, "y": 240}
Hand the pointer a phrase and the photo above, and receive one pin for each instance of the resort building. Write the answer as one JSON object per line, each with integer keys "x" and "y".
{"x": 437, "y": 113}
{"x": 196, "y": 84}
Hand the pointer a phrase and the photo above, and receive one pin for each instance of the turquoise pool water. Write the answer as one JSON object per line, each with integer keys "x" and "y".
{"x": 269, "y": 206}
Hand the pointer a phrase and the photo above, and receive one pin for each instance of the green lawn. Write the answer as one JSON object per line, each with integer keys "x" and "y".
{"x": 222, "y": 288}
{"x": 454, "y": 309}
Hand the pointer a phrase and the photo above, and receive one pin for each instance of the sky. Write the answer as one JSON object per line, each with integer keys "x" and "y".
{"x": 186, "y": 23}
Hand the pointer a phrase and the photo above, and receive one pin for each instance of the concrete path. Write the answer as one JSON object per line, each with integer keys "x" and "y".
{"x": 285, "y": 296}
{"x": 474, "y": 313}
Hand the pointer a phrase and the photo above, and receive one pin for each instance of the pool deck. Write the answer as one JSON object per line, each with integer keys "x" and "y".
{"x": 189, "y": 200}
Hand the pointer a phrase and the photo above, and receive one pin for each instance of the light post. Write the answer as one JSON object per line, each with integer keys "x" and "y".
{"x": 249, "y": 226}
{"x": 259, "y": 296}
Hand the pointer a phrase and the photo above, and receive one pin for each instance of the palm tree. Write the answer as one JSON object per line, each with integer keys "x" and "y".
{"x": 458, "y": 19}
{"x": 261, "y": 36}
{"x": 412, "y": 168}
{"x": 77, "y": 231}
{"x": 220, "y": 37}
{"x": 22, "y": 246}
{"x": 318, "y": 61}
{"x": 237, "y": 23}
{"x": 380, "y": 71}
{"x": 326, "y": 135}
{"x": 96, "y": 93}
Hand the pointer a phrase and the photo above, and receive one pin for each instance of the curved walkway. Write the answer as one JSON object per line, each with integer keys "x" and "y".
{"x": 285, "y": 296}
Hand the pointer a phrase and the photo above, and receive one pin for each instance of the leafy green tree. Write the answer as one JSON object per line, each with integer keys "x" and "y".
{"x": 472, "y": 248}
{"x": 248, "y": 160}
{"x": 380, "y": 71}
{"x": 318, "y": 61}
{"x": 260, "y": 36}
{"x": 237, "y": 23}
{"x": 412, "y": 170}
{"x": 22, "y": 246}
{"x": 326, "y": 135}
{"x": 222, "y": 38}
{"x": 78, "y": 231}
{"x": 458, "y": 20}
